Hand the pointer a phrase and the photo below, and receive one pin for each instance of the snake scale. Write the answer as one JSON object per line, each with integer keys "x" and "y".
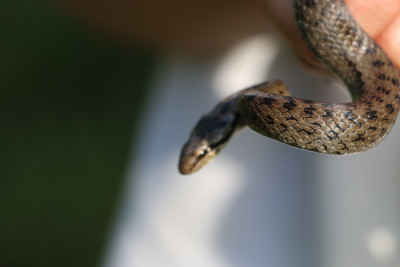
{"x": 334, "y": 37}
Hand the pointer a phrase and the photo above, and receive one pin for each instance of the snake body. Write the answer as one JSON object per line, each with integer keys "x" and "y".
{"x": 333, "y": 36}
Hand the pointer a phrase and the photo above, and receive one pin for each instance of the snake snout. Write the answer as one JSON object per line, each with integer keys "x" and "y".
{"x": 195, "y": 155}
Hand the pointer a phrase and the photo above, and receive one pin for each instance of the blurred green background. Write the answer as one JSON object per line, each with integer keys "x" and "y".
{"x": 69, "y": 99}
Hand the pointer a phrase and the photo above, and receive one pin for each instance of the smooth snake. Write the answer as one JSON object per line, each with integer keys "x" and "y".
{"x": 334, "y": 37}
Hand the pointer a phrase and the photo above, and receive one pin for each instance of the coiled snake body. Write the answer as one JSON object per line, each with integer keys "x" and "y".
{"x": 338, "y": 41}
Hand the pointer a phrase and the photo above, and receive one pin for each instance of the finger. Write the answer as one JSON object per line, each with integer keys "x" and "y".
{"x": 381, "y": 20}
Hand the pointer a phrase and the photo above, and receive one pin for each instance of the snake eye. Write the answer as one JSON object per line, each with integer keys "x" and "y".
{"x": 204, "y": 152}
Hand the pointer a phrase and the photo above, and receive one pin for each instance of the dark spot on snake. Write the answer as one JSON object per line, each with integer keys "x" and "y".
{"x": 382, "y": 76}
{"x": 337, "y": 125}
{"x": 267, "y": 100}
{"x": 378, "y": 63}
{"x": 307, "y": 132}
{"x": 383, "y": 132}
{"x": 360, "y": 137}
{"x": 348, "y": 113}
{"x": 390, "y": 108}
{"x": 328, "y": 114}
{"x": 309, "y": 111}
{"x": 387, "y": 92}
{"x": 370, "y": 51}
{"x": 379, "y": 88}
{"x": 396, "y": 82}
{"x": 310, "y": 3}
{"x": 325, "y": 147}
{"x": 269, "y": 119}
{"x": 290, "y": 105}
{"x": 372, "y": 115}
{"x": 291, "y": 118}
{"x": 316, "y": 124}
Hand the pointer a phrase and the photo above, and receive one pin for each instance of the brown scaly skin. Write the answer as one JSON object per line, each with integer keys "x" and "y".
{"x": 215, "y": 128}
{"x": 335, "y": 38}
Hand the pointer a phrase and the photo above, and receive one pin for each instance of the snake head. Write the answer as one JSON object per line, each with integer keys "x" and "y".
{"x": 196, "y": 153}
{"x": 209, "y": 136}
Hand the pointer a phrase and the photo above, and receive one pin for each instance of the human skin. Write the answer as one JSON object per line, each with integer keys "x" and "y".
{"x": 210, "y": 27}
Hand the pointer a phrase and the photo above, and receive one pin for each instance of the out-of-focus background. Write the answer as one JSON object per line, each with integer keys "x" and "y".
{"x": 93, "y": 116}
{"x": 69, "y": 100}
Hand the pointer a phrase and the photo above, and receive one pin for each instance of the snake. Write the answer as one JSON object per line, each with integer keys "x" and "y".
{"x": 334, "y": 37}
